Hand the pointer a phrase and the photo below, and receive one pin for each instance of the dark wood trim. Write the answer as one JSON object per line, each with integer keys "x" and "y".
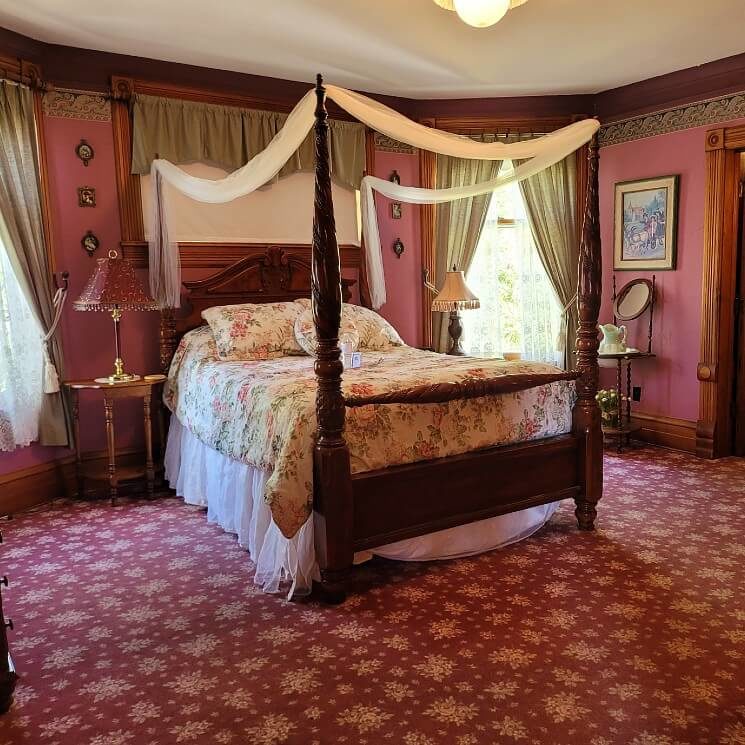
{"x": 22, "y": 71}
{"x": 45, "y": 482}
{"x": 218, "y": 255}
{"x": 127, "y": 183}
{"x": 495, "y": 124}
{"x": 427, "y": 218}
{"x": 665, "y": 431}
{"x": 715, "y": 369}
{"x": 717, "y": 78}
{"x": 44, "y": 188}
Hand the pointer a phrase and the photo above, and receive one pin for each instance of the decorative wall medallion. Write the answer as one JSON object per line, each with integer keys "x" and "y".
{"x": 62, "y": 104}
{"x": 701, "y": 114}
{"x": 396, "y": 210}
{"x": 398, "y": 248}
{"x": 389, "y": 145}
{"x": 86, "y": 196}
{"x": 84, "y": 151}
{"x": 394, "y": 178}
{"x": 90, "y": 243}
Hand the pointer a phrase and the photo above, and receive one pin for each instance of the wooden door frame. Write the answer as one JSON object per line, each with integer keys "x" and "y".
{"x": 716, "y": 362}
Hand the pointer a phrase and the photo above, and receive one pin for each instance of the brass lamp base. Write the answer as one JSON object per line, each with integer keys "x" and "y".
{"x": 118, "y": 376}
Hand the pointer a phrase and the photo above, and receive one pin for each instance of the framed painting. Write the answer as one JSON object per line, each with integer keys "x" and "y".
{"x": 646, "y": 224}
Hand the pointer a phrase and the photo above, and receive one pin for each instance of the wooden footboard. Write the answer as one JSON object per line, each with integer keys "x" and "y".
{"x": 418, "y": 498}
{"x": 354, "y": 512}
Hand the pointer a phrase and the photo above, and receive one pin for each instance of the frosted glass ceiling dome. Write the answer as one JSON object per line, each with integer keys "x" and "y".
{"x": 480, "y": 13}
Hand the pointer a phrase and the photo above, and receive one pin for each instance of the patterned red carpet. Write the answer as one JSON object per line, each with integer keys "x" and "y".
{"x": 139, "y": 624}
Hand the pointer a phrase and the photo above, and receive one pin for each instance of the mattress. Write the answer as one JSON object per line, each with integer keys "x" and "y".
{"x": 262, "y": 414}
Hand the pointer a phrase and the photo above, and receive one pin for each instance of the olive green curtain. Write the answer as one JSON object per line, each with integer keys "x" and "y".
{"x": 22, "y": 231}
{"x": 458, "y": 225}
{"x": 550, "y": 203}
{"x": 228, "y": 137}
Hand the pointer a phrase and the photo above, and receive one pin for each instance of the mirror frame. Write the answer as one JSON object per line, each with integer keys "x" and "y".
{"x": 625, "y": 290}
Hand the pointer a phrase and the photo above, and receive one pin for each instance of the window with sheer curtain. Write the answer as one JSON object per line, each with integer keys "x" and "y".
{"x": 21, "y": 363}
{"x": 519, "y": 308}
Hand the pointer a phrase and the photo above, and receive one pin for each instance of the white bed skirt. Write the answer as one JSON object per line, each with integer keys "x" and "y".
{"x": 233, "y": 494}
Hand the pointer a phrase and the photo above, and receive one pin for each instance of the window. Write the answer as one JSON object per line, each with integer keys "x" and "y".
{"x": 21, "y": 361}
{"x": 519, "y": 308}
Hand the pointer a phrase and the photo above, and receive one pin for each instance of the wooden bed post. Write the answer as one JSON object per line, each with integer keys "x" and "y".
{"x": 586, "y": 415}
{"x": 332, "y": 473}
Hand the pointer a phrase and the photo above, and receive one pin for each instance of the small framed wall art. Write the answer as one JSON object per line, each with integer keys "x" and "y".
{"x": 90, "y": 243}
{"x": 86, "y": 196}
{"x": 646, "y": 224}
{"x": 396, "y": 210}
{"x": 84, "y": 151}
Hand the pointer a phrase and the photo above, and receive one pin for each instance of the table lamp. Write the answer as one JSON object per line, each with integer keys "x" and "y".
{"x": 454, "y": 297}
{"x": 114, "y": 287}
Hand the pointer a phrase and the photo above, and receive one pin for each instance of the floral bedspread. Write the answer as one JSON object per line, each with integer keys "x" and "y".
{"x": 263, "y": 413}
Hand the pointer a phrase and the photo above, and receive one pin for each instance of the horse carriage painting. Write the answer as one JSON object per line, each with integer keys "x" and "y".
{"x": 645, "y": 224}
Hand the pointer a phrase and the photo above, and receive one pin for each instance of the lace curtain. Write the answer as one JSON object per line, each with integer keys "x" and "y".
{"x": 21, "y": 363}
{"x": 519, "y": 308}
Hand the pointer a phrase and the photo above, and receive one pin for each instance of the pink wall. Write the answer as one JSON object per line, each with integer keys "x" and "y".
{"x": 669, "y": 385}
{"x": 402, "y": 276}
{"x": 87, "y": 337}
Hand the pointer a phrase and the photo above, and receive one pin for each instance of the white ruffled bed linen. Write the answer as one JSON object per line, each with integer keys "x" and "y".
{"x": 233, "y": 493}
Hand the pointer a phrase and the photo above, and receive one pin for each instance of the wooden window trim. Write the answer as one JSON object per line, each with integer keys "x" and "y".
{"x": 716, "y": 369}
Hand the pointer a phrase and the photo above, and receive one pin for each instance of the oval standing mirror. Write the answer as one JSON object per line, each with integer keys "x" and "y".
{"x": 633, "y": 299}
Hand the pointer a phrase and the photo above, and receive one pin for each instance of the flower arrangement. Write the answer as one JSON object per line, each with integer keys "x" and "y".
{"x": 610, "y": 406}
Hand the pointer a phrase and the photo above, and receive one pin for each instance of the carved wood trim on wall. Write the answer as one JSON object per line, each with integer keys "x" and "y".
{"x": 21, "y": 71}
{"x": 716, "y": 365}
{"x": 214, "y": 255}
{"x": 427, "y": 180}
{"x": 44, "y": 188}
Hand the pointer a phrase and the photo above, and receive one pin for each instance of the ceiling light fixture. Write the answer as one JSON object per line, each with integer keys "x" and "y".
{"x": 480, "y": 13}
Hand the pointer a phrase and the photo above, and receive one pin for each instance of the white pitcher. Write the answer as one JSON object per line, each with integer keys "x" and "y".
{"x": 614, "y": 339}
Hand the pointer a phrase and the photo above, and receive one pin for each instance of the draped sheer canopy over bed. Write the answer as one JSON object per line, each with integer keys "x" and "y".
{"x": 358, "y": 511}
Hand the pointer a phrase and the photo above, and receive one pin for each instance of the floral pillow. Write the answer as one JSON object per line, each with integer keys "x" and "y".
{"x": 305, "y": 332}
{"x": 375, "y": 333}
{"x": 254, "y": 331}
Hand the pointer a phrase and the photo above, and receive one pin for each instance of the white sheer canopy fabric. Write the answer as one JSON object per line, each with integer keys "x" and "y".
{"x": 537, "y": 154}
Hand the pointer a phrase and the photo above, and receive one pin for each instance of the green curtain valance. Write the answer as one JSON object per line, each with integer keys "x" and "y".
{"x": 228, "y": 137}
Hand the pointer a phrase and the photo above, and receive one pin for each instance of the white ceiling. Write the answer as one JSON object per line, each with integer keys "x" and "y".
{"x": 403, "y": 47}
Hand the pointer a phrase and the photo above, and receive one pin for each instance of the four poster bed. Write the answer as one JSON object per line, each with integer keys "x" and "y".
{"x": 356, "y": 509}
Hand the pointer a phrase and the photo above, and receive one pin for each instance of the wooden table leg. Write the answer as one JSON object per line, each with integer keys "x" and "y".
{"x": 149, "y": 468}
{"x": 628, "y": 401}
{"x": 109, "y": 410}
{"x": 76, "y": 435}
{"x": 619, "y": 405}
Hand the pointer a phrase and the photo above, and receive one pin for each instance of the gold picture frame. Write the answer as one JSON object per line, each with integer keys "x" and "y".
{"x": 646, "y": 224}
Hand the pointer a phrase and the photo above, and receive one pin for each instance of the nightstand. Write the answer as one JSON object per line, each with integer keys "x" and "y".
{"x": 143, "y": 388}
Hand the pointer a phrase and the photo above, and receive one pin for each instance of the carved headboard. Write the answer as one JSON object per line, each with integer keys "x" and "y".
{"x": 279, "y": 272}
